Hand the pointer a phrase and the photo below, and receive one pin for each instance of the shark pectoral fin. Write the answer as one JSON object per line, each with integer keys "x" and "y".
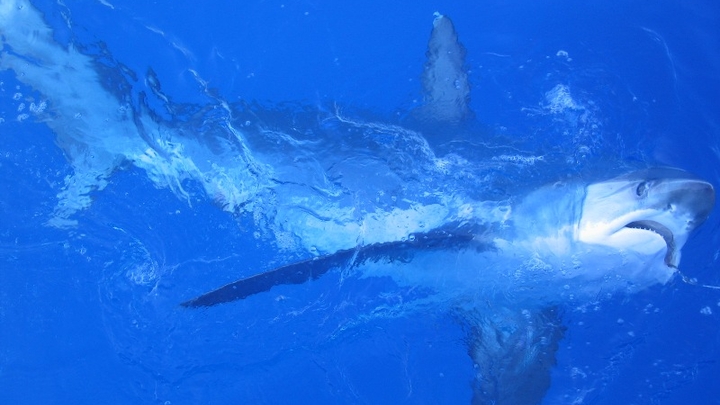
{"x": 296, "y": 273}
{"x": 300, "y": 272}
{"x": 514, "y": 352}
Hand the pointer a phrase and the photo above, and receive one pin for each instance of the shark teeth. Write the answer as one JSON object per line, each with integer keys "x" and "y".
{"x": 661, "y": 230}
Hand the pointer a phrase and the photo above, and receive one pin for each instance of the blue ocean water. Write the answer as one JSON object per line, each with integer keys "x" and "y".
{"x": 89, "y": 313}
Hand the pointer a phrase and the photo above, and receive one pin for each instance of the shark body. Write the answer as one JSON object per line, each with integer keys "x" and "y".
{"x": 622, "y": 234}
{"x": 563, "y": 242}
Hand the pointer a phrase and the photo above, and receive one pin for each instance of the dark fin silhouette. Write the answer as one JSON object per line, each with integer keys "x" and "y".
{"x": 296, "y": 273}
{"x": 462, "y": 237}
{"x": 514, "y": 353}
{"x": 445, "y": 81}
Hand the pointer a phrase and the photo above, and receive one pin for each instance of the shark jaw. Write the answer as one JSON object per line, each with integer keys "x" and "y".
{"x": 649, "y": 213}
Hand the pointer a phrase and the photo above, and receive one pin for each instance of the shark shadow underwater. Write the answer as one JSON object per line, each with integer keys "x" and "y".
{"x": 507, "y": 269}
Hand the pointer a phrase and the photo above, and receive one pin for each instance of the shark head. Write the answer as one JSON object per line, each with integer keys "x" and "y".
{"x": 649, "y": 213}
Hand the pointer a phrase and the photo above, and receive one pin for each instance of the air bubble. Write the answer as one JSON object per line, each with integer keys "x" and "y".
{"x": 38, "y": 108}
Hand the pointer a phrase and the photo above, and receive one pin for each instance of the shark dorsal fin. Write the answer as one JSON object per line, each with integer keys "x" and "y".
{"x": 446, "y": 89}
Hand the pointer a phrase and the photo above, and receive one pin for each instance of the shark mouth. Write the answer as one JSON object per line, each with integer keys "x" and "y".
{"x": 661, "y": 230}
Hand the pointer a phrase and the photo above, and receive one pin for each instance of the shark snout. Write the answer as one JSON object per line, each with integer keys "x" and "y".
{"x": 706, "y": 203}
{"x": 696, "y": 198}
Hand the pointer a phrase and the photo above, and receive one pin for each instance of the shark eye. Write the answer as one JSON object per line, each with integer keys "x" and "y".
{"x": 642, "y": 188}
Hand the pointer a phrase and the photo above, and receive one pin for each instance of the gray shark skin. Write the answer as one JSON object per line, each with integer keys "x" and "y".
{"x": 507, "y": 270}
{"x": 445, "y": 82}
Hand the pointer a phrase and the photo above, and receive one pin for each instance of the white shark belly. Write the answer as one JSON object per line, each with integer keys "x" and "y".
{"x": 510, "y": 274}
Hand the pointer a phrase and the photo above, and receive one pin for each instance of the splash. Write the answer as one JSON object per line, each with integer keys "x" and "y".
{"x": 310, "y": 180}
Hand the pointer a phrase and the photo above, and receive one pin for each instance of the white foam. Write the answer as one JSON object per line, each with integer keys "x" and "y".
{"x": 559, "y": 100}
{"x": 97, "y": 132}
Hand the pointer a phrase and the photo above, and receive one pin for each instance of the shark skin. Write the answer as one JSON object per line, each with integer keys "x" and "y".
{"x": 507, "y": 275}
{"x": 445, "y": 82}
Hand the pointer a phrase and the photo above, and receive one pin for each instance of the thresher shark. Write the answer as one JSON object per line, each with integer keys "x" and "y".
{"x": 569, "y": 240}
